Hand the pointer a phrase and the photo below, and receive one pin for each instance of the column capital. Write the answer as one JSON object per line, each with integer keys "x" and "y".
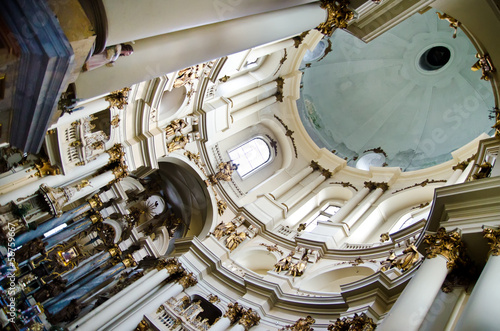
{"x": 116, "y": 153}
{"x": 172, "y": 266}
{"x": 338, "y": 15}
{"x": 302, "y": 324}
{"x": 249, "y": 318}
{"x": 188, "y": 280}
{"x": 493, "y": 237}
{"x": 233, "y": 311}
{"x": 460, "y": 166}
{"x": 447, "y": 244}
{"x": 374, "y": 185}
{"x": 96, "y": 217}
{"x": 315, "y": 165}
{"x": 95, "y": 201}
{"x": 327, "y": 173}
{"x": 119, "y": 98}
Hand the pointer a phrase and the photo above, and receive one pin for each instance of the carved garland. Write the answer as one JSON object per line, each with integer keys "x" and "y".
{"x": 289, "y": 133}
{"x": 424, "y": 183}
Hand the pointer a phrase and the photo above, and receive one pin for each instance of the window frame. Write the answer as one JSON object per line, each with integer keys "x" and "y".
{"x": 259, "y": 167}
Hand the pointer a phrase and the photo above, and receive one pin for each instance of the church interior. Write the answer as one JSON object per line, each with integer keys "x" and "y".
{"x": 194, "y": 165}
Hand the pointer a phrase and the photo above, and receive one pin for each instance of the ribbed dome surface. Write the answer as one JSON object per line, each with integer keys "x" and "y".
{"x": 410, "y": 92}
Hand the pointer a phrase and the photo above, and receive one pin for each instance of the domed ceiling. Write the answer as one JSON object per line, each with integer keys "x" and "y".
{"x": 406, "y": 99}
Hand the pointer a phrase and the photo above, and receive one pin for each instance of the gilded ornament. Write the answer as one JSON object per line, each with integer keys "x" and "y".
{"x": 357, "y": 322}
{"x": 221, "y": 207}
{"x": 116, "y": 153}
{"x": 461, "y": 166}
{"x": 142, "y": 326}
{"x": 385, "y": 237}
{"x": 118, "y": 98}
{"x": 95, "y": 218}
{"x": 297, "y": 40}
{"x": 493, "y": 237}
{"x": 115, "y": 122}
{"x": 129, "y": 262}
{"x": 302, "y": 324}
{"x": 95, "y": 201}
{"x": 225, "y": 173}
{"x": 212, "y": 298}
{"x": 454, "y": 23}
{"x": 44, "y": 168}
{"x": 249, "y": 318}
{"x": 188, "y": 280}
{"x": 114, "y": 251}
{"x": 224, "y": 79}
{"x": 485, "y": 65}
{"x": 338, "y": 16}
{"x": 449, "y": 245}
{"x": 172, "y": 266}
{"x": 224, "y": 229}
{"x": 484, "y": 170}
{"x": 233, "y": 312}
{"x": 179, "y": 142}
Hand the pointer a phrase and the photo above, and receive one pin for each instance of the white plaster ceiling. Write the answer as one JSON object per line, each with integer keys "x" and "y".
{"x": 364, "y": 96}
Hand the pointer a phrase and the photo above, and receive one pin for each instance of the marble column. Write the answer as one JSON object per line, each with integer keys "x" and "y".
{"x": 414, "y": 302}
{"x": 132, "y": 319}
{"x": 132, "y": 295}
{"x": 221, "y": 325}
{"x": 197, "y": 45}
{"x": 289, "y": 184}
{"x": 71, "y": 230}
{"x": 481, "y": 310}
{"x": 25, "y": 237}
{"x": 127, "y": 21}
{"x": 85, "y": 286}
{"x": 88, "y": 266}
{"x": 231, "y": 315}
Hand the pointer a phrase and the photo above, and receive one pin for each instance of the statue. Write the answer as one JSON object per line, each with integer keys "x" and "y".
{"x": 407, "y": 261}
{"x": 226, "y": 170}
{"x": 302, "y": 324}
{"x": 178, "y": 142}
{"x": 297, "y": 269}
{"x": 234, "y": 240}
{"x": 223, "y": 229}
{"x": 484, "y": 170}
{"x": 389, "y": 262}
{"x": 108, "y": 57}
{"x": 175, "y": 127}
{"x": 454, "y": 23}
{"x": 485, "y": 65}
{"x": 284, "y": 263}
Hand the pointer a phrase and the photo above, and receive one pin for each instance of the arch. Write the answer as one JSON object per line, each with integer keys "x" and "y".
{"x": 257, "y": 260}
{"x": 171, "y": 102}
{"x": 330, "y": 281}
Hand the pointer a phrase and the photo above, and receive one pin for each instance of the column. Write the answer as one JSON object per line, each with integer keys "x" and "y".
{"x": 297, "y": 197}
{"x": 350, "y": 205}
{"x": 127, "y": 21}
{"x": 481, "y": 310}
{"x": 248, "y": 319}
{"x": 88, "y": 266}
{"x": 379, "y": 188}
{"x": 131, "y": 320}
{"x": 56, "y": 180}
{"x": 231, "y": 315}
{"x": 88, "y": 285}
{"x": 457, "y": 171}
{"x": 72, "y": 230}
{"x": 287, "y": 185}
{"x": 414, "y": 302}
{"x": 270, "y": 48}
{"x": 197, "y": 45}
{"x": 131, "y": 296}
{"x": 25, "y": 237}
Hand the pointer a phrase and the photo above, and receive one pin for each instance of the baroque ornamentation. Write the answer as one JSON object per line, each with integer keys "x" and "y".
{"x": 384, "y": 237}
{"x": 338, "y": 16}
{"x": 179, "y": 142}
{"x": 95, "y": 202}
{"x": 249, "y": 318}
{"x": 289, "y": 133}
{"x": 449, "y": 245}
{"x": 357, "y": 322}
{"x": 297, "y": 40}
{"x": 280, "y": 83}
{"x": 44, "y": 168}
{"x": 175, "y": 127}
{"x": 484, "y": 170}
{"x": 119, "y": 98}
{"x": 225, "y": 172}
{"x": 424, "y": 183}
{"x": 235, "y": 239}
{"x": 221, "y": 207}
{"x": 188, "y": 280}
{"x": 233, "y": 312}
{"x": 302, "y": 324}
{"x": 116, "y": 154}
{"x": 212, "y": 298}
{"x": 282, "y": 61}
{"x": 454, "y": 23}
{"x": 273, "y": 248}
{"x": 493, "y": 237}
{"x": 345, "y": 184}
{"x": 485, "y": 65}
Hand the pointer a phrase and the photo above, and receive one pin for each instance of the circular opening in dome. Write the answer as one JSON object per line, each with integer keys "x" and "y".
{"x": 434, "y": 58}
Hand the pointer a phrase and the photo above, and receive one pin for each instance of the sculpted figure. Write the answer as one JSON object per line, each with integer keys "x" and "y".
{"x": 108, "y": 57}
{"x": 406, "y": 261}
{"x": 223, "y": 229}
{"x": 284, "y": 263}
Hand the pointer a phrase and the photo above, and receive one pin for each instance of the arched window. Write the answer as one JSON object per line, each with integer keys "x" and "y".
{"x": 250, "y": 156}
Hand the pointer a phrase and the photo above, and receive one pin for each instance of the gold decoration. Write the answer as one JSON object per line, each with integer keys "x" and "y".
{"x": 301, "y": 227}
{"x": 114, "y": 251}
{"x": 116, "y": 154}
{"x": 212, "y": 298}
{"x": 188, "y": 280}
{"x": 484, "y": 170}
{"x": 118, "y": 98}
{"x": 280, "y": 82}
{"x": 143, "y": 325}
{"x": 493, "y": 237}
{"x": 234, "y": 240}
{"x": 297, "y": 40}
{"x": 179, "y": 142}
{"x": 282, "y": 61}
{"x": 172, "y": 266}
{"x": 249, "y": 318}
{"x": 460, "y": 166}
{"x": 223, "y": 229}
{"x": 75, "y": 143}
{"x": 221, "y": 207}
{"x": 175, "y": 127}
{"x": 44, "y": 168}
{"x": 449, "y": 245}
{"x": 302, "y": 324}
{"x": 289, "y": 133}
{"x": 358, "y": 322}
{"x": 224, "y": 79}
{"x": 225, "y": 173}
{"x": 298, "y": 269}
{"x": 119, "y": 172}
{"x": 83, "y": 183}
{"x": 95, "y": 202}
{"x": 424, "y": 183}
{"x": 485, "y": 65}
{"x": 422, "y": 205}
{"x": 384, "y": 237}
{"x": 51, "y": 131}
{"x": 129, "y": 262}
{"x": 345, "y": 184}
{"x": 454, "y": 23}
{"x": 115, "y": 122}
{"x": 408, "y": 260}
{"x": 338, "y": 13}
{"x": 233, "y": 312}
{"x": 95, "y": 218}
{"x": 326, "y": 173}
{"x": 284, "y": 263}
